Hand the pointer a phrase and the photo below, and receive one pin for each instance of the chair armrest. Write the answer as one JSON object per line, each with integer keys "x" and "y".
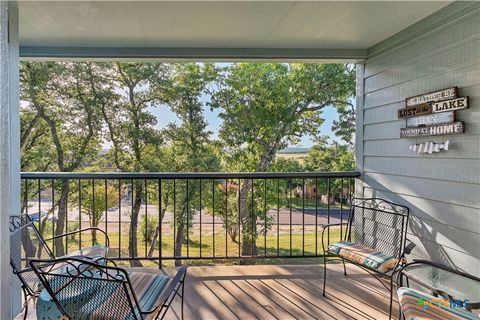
{"x": 107, "y": 244}
{"x": 409, "y": 247}
{"x": 325, "y": 227}
{"x": 441, "y": 266}
{"x": 99, "y": 260}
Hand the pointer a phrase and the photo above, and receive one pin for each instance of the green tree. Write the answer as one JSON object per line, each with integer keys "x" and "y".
{"x": 189, "y": 141}
{"x": 225, "y": 205}
{"x": 265, "y": 107}
{"x": 286, "y": 188}
{"x": 96, "y": 200}
{"x": 131, "y": 126}
{"x": 330, "y": 158}
{"x": 61, "y": 97}
{"x": 148, "y": 226}
{"x": 36, "y": 150}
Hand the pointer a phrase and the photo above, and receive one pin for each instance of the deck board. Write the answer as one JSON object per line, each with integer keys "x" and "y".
{"x": 279, "y": 292}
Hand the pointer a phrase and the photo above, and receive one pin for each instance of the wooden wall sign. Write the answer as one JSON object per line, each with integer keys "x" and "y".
{"x": 435, "y": 130}
{"x": 432, "y": 114}
{"x": 450, "y": 105}
{"x": 431, "y": 119}
{"x": 421, "y": 109}
{"x": 445, "y": 94}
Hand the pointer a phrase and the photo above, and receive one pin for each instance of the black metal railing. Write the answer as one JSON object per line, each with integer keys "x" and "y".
{"x": 174, "y": 216}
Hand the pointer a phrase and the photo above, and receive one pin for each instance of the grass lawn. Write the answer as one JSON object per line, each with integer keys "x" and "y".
{"x": 222, "y": 247}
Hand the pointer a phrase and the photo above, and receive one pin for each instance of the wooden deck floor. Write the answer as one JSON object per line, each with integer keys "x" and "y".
{"x": 280, "y": 292}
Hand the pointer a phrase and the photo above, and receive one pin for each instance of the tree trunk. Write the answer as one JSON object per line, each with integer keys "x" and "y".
{"x": 179, "y": 243}
{"x": 233, "y": 233}
{"x": 61, "y": 218}
{"x": 248, "y": 219}
{"x": 182, "y": 221}
{"x": 132, "y": 233}
{"x": 94, "y": 236}
{"x": 157, "y": 231}
{"x": 28, "y": 245}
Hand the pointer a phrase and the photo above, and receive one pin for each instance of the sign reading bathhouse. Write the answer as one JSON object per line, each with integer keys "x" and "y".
{"x": 433, "y": 113}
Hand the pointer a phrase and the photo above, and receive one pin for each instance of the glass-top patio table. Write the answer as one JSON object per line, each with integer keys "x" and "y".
{"x": 451, "y": 284}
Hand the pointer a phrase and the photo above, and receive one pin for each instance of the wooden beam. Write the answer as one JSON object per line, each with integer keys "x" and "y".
{"x": 195, "y": 54}
{"x": 10, "y": 298}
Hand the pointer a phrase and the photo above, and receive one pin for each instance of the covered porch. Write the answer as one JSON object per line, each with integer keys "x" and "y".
{"x": 278, "y": 292}
{"x": 401, "y": 49}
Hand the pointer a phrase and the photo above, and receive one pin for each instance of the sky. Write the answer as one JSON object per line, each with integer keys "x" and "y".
{"x": 165, "y": 116}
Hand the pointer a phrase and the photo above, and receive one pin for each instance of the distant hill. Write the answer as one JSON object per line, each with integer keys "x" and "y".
{"x": 294, "y": 150}
{"x": 294, "y": 153}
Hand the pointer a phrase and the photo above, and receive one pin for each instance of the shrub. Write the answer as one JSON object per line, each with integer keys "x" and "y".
{"x": 148, "y": 227}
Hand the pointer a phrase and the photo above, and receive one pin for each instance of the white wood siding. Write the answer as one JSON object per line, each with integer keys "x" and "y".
{"x": 443, "y": 189}
{"x": 10, "y": 298}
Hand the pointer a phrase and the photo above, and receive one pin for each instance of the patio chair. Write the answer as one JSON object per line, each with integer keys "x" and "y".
{"x": 27, "y": 243}
{"x": 418, "y": 305}
{"x": 97, "y": 291}
{"x": 374, "y": 240}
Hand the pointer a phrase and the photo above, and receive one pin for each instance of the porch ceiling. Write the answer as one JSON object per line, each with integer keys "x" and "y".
{"x": 221, "y": 30}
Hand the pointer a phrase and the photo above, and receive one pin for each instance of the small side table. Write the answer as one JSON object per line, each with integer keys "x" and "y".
{"x": 443, "y": 281}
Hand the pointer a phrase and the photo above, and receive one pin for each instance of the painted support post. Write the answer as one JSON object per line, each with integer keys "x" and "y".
{"x": 10, "y": 298}
{"x": 359, "y": 102}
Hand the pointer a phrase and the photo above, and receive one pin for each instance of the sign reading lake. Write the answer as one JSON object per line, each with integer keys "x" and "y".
{"x": 450, "y": 105}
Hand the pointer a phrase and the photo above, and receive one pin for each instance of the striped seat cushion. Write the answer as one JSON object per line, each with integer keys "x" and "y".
{"x": 148, "y": 288}
{"x": 97, "y": 251}
{"x": 365, "y": 256}
{"x": 416, "y": 305}
{"x": 111, "y": 301}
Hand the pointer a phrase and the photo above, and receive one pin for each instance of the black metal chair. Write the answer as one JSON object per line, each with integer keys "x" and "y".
{"x": 375, "y": 239}
{"x": 27, "y": 243}
{"x": 82, "y": 289}
{"x": 459, "y": 291}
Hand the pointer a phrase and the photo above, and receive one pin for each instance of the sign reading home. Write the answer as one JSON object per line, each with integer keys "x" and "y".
{"x": 435, "y": 130}
{"x": 433, "y": 113}
{"x": 440, "y": 95}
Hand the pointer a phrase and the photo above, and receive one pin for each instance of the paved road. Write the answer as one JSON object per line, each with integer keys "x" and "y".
{"x": 297, "y": 217}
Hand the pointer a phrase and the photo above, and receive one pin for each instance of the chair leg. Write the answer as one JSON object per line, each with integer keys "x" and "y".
{"x": 162, "y": 313}
{"x": 25, "y": 312}
{"x": 324, "y": 273}
{"x": 344, "y": 268}
{"x": 25, "y": 304}
{"x": 183, "y": 294}
{"x": 391, "y": 298}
